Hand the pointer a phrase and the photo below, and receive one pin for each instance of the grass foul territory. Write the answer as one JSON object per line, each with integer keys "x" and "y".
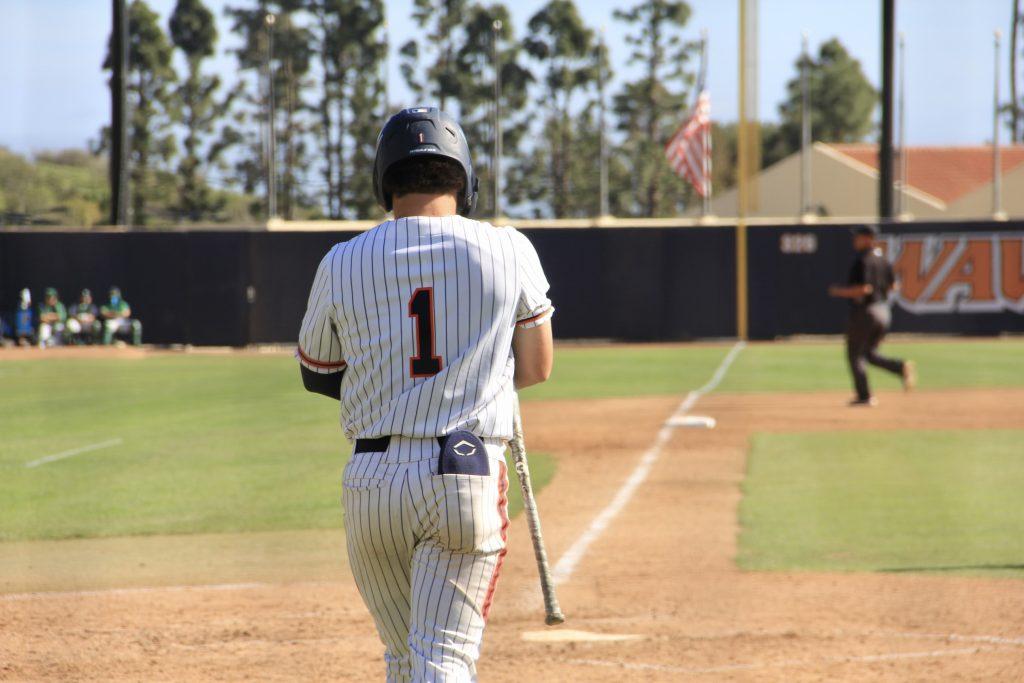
{"x": 822, "y": 366}
{"x": 905, "y": 501}
{"x": 169, "y": 445}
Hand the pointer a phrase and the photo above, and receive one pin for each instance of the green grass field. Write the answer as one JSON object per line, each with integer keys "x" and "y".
{"x": 822, "y": 367}
{"x": 229, "y": 443}
{"x": 222, "y": 443}
{"x": 208, "y": 444}
{"x": 944, "y": 501}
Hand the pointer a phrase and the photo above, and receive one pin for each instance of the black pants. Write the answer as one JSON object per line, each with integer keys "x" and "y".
{"x": 865, "y": 331}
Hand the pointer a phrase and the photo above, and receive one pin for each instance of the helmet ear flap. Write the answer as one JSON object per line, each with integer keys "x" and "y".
{"x": 470, "y": 200}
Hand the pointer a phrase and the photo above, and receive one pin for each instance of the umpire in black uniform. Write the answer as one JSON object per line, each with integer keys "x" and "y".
{"x": 870, "y": 282}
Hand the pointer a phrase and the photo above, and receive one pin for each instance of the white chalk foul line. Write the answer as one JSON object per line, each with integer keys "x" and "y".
{"x": 567, "y": 563}
{"x": 789, "y": 663}
{"x": 143, "y": 590}
{"x": 74, "y": 451}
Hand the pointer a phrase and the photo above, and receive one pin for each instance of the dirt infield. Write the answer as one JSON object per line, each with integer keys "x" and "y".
{"x": 73, "y": 352}
{"x": 663, "y": 570}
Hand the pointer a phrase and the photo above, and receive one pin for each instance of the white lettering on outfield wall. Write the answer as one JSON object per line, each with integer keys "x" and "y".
{"x": 963, "y": 273}
{"x": 798, "y": 243}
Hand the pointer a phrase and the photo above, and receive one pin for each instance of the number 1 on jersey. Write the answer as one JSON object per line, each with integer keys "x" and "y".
{"x": 421, "y": 307}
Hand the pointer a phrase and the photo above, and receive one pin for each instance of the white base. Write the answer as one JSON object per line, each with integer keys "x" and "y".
{"x": 693, "y": 422}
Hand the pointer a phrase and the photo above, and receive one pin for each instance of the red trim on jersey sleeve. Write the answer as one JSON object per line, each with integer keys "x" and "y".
{"x": 503, "y": 512}
{"x": 535, "y": 318}
{"x": 319, "y": 363}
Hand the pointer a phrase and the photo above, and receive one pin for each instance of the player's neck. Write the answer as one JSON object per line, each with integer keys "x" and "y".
{"x": 425, "y": 205}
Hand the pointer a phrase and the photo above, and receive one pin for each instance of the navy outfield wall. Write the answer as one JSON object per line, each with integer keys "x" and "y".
{"x": 956, "y": 278}
{"x": 634, "y": 284}
{"x": 607, "y": 283}
{"x": 235, "y": 288}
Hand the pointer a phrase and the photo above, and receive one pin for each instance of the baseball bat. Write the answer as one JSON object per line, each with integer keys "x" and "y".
{"x": 552, "y": 611}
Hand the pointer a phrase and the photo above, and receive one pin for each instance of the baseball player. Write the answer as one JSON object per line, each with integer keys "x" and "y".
{"x": 117, "y": 319}
{"x": 52, "y": 316}
{"x": 868, "y": 287}
{"x": 24, "y": 327}
{"x": 423, "y": 327}
{"x": 83, "y": 325}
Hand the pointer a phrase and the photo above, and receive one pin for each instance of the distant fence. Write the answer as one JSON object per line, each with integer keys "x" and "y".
{"x": 956, "y": 278}
{"x": 638, "y": 284}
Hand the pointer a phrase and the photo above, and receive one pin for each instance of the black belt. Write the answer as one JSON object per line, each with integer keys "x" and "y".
{"x": 376, "y": 445}
{"x": 380, "y": 444}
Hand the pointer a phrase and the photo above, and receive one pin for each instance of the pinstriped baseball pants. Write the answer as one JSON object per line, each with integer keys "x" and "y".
{"x": 425, "y": 550}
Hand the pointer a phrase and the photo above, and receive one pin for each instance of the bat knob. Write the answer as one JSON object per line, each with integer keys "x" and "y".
{"x": 554, "y": 619}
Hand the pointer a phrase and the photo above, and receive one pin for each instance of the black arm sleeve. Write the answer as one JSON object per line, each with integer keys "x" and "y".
{"x": 328, "y": 385}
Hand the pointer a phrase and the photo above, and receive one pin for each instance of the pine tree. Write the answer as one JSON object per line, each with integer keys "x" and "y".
{"x": 151, "y": 79}
{"x": 434, "y": 83}
{"x": 350, "y": 48}
{"x": 194, "y": 32}
{"x": 650, "y": 109}
{"x": 289, "y": 81}
{"x": 474, "y": 89}
{"x": 565, "y": 49}
{"x": 842, "y": 102}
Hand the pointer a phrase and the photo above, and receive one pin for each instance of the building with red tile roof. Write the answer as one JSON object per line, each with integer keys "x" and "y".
{"x": 942, "y": 182}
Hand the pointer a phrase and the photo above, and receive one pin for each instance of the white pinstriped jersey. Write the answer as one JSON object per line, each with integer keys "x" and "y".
{"x": 419, "y": 312}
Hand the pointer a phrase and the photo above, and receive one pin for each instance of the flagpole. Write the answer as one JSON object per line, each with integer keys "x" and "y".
{"x": 744, "y": 153}
{"x": 706, "y": 161}
{"x": 268, "y": 21}
{"x": 805, "y": 131}
{"x": 997, "y": 181}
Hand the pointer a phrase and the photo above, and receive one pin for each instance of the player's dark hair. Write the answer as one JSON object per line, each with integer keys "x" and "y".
{"x": 425, "y": 175}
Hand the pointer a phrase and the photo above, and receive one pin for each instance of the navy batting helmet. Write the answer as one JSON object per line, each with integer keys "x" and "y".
{"x": 423, "y": 131}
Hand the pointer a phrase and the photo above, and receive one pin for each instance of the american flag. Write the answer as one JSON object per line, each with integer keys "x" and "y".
{"x": 689, "y": 150}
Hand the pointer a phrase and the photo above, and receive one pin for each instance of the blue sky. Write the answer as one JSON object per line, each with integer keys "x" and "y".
{"x": 55, "y": 93}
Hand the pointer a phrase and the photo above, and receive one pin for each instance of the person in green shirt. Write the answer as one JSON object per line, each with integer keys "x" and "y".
{"x": 52, "y": 316}
{"x": 117, "y": 319}
{"x": 83, "y": 326}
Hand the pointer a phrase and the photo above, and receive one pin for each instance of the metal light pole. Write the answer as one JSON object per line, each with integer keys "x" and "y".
{"x": 805, "y": 130}
{"x": 997, "y": 180}
{"x": 705, "y": 203}
{"x": 269, "y": 20}
{"x": 119, "y": 116}
{"x": 747, "y": 155}
{"x": 885, "y": 148}
{"x": 496, "y": 162}
{"x": 602, "y": 138}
